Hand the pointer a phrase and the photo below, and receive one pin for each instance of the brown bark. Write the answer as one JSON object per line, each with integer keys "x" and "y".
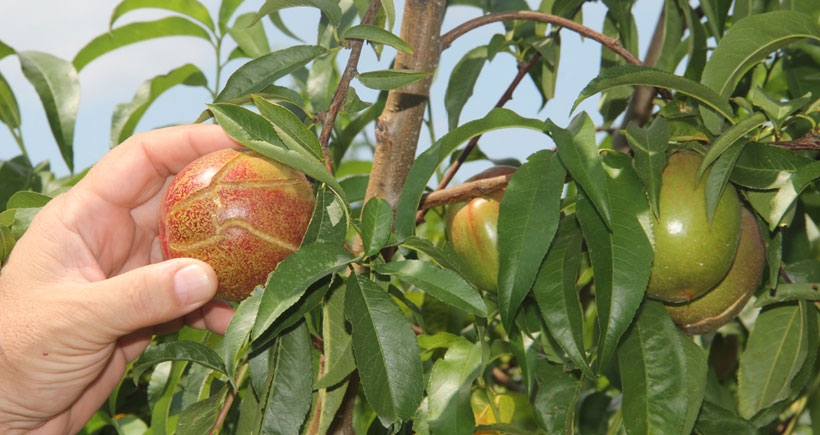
{"x": 399, "y": 125}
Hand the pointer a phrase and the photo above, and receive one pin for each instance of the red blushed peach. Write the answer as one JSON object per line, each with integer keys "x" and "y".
{"x": 240, "y": 212}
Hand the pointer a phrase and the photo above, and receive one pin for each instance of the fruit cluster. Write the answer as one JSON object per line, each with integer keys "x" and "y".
{"x": 705, "y": 269}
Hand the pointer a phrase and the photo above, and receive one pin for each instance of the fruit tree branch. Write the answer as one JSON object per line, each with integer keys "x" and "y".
{"x": 464, "y": 192}
{"x": 329, "y": 116}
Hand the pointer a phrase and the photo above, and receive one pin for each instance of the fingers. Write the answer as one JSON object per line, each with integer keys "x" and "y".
{"x": 150, "y": 295}
{"x": 136, "y": 170}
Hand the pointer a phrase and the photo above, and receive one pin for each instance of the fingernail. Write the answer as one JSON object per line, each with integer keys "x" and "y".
{"x": 192, "y": 285}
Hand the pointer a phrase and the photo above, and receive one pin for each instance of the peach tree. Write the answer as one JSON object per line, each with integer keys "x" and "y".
{"x": 373, "y": 326}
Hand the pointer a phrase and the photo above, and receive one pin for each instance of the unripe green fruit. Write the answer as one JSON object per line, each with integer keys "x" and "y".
{"x": 721, "y": 304}
{"x": 691, "y": 254}
{"x": 238, "y": 211}
{"x": 472, "y": 229}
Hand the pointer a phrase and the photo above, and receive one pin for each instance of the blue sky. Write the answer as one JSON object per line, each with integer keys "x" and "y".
{"x": 62, "y": 28}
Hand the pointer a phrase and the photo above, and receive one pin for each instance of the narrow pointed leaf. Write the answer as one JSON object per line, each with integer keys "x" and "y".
{"x": 449, "y": 388}
{"x": 290, "y": 390}
{"x": 191, "y": 8}
{"x": 58, "y": 87}
{"x": 339, "y": 360}
{"x": 377, "y": 223}
{"x": 386, "y": 351}
{"x": 201, "y": 416}
{"x": 389, "y": 79}
{"x": 645, "y": 76}
{"x": 329, "y": 8}
{"x": 9, "y": 109}
{"x": 718, "y": 177}
{"x": 774, "y": 354}
{"x": 126, "y": 116}
{"x": 750, "y": 41}
{"x": 426, "y": 163}
{"x": 527, "y": 220}
{"x": 290, "y": 129}
{"x": 256, "y": 133}
{"x": 656, "y": 374}
{"x": 557, "y": 296}
{"x": 729, "y": 137}
{"x": 462, "y": 83}
{"x": 649, "y": 146}
{"x": 556, "y": 399}
{"x": 180, "y": 350}
{"x": 621, "y": 258}
{"x": 330, "y": 219}
{"x": 579, "y": 152}
{"x": 378, "y": 35}
{"x": 262, "y": 72}
{"x": 251, "y": 38}
{"x": 442, "y": 284}
{"x": 293, "y": 276}
{"x": 237, "y": 336}
{"x": 137, "y": 32}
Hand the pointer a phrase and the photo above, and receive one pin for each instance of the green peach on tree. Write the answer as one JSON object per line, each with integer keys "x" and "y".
{"x": 692, "y": 253}
{"x": 472, "y": 230}
{"x": 238, "y": 211}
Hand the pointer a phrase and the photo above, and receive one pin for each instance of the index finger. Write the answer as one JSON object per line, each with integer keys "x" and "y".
{"x": 136, "y": 170}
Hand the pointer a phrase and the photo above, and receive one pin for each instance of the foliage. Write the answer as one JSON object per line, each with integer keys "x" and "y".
{"x": 370, "y": 326}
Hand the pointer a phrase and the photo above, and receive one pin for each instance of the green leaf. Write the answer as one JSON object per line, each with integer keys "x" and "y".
{"x": 728, "y": 138}
{"x": 377, "y": 221}
{"x": 178, "y": 351}
{"x": 5, "y": 50}
{"x": 645, "y": 76}
{"x": 556, "y": 399}
{"x": 778, "y": 112}
{"x": 7, "y": 242}
{"x": 749, "y": 41}
{"x": 527, "y": 220}
{"x": 126, "y": 116}
{"x": 329, "y": 8}
{"x": 9, "y": 109}
{"x": 250, "y": 35}
{"x": 201, "y": 416}
{"x": 339, "y": 361}
{"x": 137, "y": 32}
{"x": 27, "y": 199}
{"x": 237, "y": 337}
{"x": 578, "y": 151}
{"x": 449, "y": 388}
{"x": 556, "y": 292}
{"x": 385, "y": 349}
{"x": 442, "y": 284}
{"x": 718, "y": 177}
{"x": 330, "y": 219}
{"x": 427, "y": 248}
{"x": 261, "y": 72}
{"x": 788, "y": 293}
{"x": 226, "y": 11}
{"x": 621, "y": 258}
{"x": 763, "y": 167}
{"x": 191, "y": 8}
{"x": 427, "y": 162}
{"x": 291, "y": 379}
{"x": 390, "y": 79}
{"x": 293, "y": 276}
{"x": 714, "y": 419}
{"x": 58, "y": 87}
{"x": 658, "y": 376}
{"x": 775, "y": 352}
{"x": 253, "y": 131}
{"x": 649, "y": 146}
{"x": 378, "y": 35}
{"x": 290, "y": 129}
{"x": 462, "y": 83}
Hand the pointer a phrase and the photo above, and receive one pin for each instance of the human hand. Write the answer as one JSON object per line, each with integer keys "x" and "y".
{"x": 85, "y": 288}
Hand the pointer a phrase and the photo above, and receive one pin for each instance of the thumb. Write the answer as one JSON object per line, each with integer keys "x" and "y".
{"x": 153, "y": 294}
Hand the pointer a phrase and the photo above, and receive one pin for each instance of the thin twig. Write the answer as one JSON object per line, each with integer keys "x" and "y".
{"x": 464, "y": 192}
{"x": 336, "y": 104}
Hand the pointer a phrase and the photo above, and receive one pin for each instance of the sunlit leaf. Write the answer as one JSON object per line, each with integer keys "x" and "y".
{"x": 621, "y": 257}
{"x": 58, "y": 87}
{"x": 657, "y": 375}
{"x": 126, "y": 115}
{"x": 292, "y": 278}
{"x": 389, "y": 79}
{"x": 527, "y": 220}
{"x": 250, "y": 36}
{"x": 729, "y": 137}
{"x": 289, "y": 128}
{"x": 385, "y": 349}
{"x": 191, "y": 8}
{"x": 450, "y": 386}
{"x": 330, "y": 219}
{"x": 645, "y": 76}
{"x": 262, "y": 72}
{"x": 751, "y": 40}
{"x": 7, "y": 242}
{"x": 442, "y": 284}
{"x": 137, "y": 32}
{"x": 9, "y": 109}
{"x": 329, "y": 8}
{"x": 378, "y": 35}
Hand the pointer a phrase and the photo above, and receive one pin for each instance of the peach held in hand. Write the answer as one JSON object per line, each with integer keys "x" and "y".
{"x": 238, "y": 211}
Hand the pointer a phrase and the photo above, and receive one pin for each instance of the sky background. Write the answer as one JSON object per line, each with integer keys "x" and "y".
{"x": 63, "y": 28}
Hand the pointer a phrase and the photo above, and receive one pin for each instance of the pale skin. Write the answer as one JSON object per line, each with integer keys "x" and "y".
{"x": 86, "y": 287}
